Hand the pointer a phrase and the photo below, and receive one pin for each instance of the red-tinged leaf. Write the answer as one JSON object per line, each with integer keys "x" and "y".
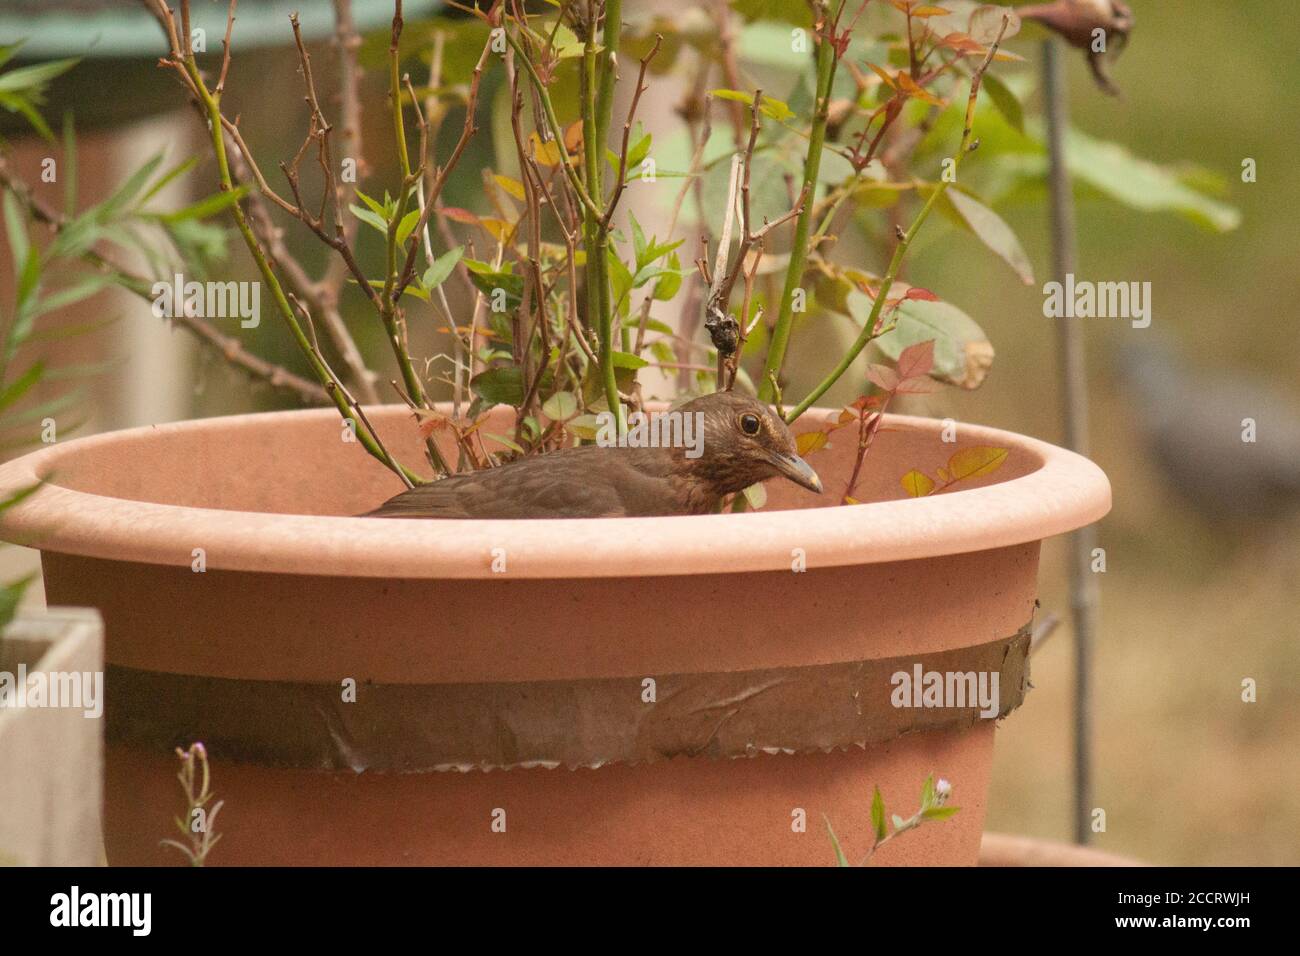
{"x": 884, "y": 76}
{"x": 920, "y": 385}
{"x": 809, "y": 442}
{"x": 456, "y": 214}
{"x": 917, "y": 483}
{"x": 924, "y": 295}
{"x": 962, "y": 44}
{"x": 976, "y": 461}
{"x": 909, "y": 86}
{"x": 916, "y": 360}
{"x": 883, "y": 376}
{"x": 573, "y": 137}
{"x": 848, "y": 415}
{"x": 428, "y": 421}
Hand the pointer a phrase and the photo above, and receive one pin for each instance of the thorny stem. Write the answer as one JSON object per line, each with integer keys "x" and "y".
{"x": 827, "y": 58}
{"x": 900, "y": 251}
{"x": 595, "y": 228}
{"x": 611, "y": 34}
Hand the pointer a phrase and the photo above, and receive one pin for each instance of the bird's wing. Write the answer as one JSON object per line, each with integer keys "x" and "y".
{"x": 586, "y": 482}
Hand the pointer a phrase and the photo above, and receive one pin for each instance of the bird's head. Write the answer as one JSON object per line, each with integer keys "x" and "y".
{"x": 745, "y": 442}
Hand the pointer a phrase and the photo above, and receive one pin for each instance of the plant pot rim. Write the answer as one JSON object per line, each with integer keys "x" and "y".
{"x": 1064, "y": 492}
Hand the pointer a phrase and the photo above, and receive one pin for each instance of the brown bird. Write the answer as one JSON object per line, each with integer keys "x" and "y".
{"x": 1081, "y": 23}
{"x": 741, "y": 442}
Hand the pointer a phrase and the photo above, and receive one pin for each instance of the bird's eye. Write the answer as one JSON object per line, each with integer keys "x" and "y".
{"x": 749, "y": 424}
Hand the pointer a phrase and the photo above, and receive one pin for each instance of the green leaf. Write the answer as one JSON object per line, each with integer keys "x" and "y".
{"x": 1004, "y": 100}
{"x": 927, "y": 793}
{"x": 35, "y": 413}
{"x": 407, "y": 224}
{"x": 620, "y": 280}
{"x": 207, "y": 207}
{"x": 638, "y": 151}
{"x": 962, "y": 352}
{"x": 17, "y": 103}
{"x": 560, "y": 407}
{"x": 777, "y": 110}
{"x": 1141, "y": 184}
{"x": 939, "y": 813}
{"x": 129, "y": 190}
{"x": 7, "y": 50}
{"x": 10, "y": 596}
{"x": 756, "y": 495}
{"x": 21, "y": 385}
{"x": 878, "y": 816}
{"x": 628, "y": 360}
{"x": 505, "y": 440}
{"x": 639, "y": 246}
{"x": 34, "y": 76}
{"x": 487, "y": 280}
{"x": 161, "y": 183}
{"x": 375, "y": 206}
{"x": 442, "y": 267}
{"x": 15, "y": 231}
{"x": 369, "y": 218}
{"x": 840, "y": 858}
{"x": 992, "y": 230}
{"x": 585, "y": 426}
{"x": 503, "y": 385}
{"x": 74, "y": 293}
{"x": 671, "y": 281}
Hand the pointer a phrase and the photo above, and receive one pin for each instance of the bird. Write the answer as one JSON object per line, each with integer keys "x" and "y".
{"x": 1078, "y": 22}
{"x": 741, "y": 441}
{"x": 1227, "y": 442}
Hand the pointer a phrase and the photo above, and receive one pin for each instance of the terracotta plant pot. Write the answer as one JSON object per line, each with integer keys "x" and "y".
{"x": 659, "y": 690}
{"x": 1007, "y": 849}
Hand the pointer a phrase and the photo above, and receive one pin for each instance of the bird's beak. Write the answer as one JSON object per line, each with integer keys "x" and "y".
{"x": 798, "y": 471}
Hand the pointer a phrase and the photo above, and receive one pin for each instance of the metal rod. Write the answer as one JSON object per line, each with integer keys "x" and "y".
{"x": 1073, "y": 378}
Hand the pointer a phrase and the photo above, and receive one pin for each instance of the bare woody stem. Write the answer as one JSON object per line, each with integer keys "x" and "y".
{"x": 183, "y": 61}
{"x": 869, "y": 328}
